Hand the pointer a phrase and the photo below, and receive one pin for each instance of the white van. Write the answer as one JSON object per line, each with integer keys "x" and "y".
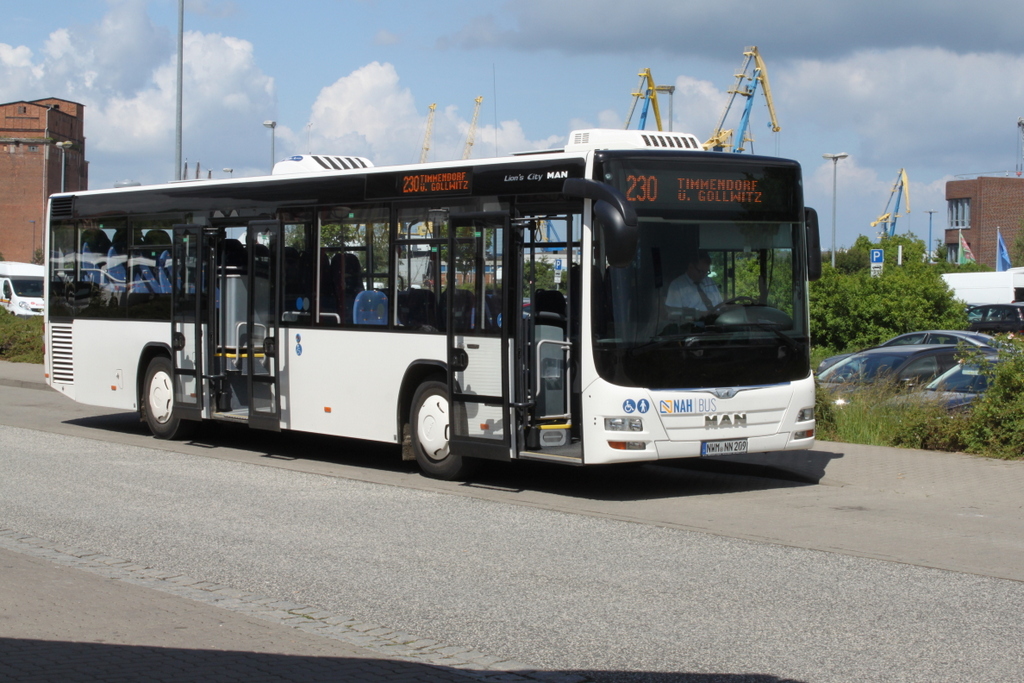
{"x": 21, "y": 288}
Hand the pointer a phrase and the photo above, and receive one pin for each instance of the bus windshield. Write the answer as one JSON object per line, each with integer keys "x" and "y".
{"x": 716, "y": 295}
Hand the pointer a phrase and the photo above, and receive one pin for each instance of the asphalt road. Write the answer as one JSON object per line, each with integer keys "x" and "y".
{"x": 596, "y": 571}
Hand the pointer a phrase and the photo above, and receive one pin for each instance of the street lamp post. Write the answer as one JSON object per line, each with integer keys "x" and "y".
{"x": 271, "y": 125}
{"x": 835, "y": 162}
{"x": 928, "y": 251}
{"x": 63, "y": 146}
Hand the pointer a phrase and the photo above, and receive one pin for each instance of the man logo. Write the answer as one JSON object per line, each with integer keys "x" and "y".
{"x": 716, "y": 421}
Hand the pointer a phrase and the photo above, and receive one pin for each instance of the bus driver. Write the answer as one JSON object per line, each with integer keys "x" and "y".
{"x": 694, "y": 289}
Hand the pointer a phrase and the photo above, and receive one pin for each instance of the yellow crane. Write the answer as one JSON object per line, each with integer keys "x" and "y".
{"x": 649, "y": 95}
{"x": 430, "y": 131}
{"x": 888, "y": 219}
{"x": 472, "y": 128}
{"x": 722, "y": 138}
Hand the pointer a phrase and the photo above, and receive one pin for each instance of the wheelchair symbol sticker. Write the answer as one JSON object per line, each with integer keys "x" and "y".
{"x": 629, "y": 406}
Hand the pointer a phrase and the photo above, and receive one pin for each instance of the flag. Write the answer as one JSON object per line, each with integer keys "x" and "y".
{"x": 1002, "y": 253}
{"x": 966, "y": 255}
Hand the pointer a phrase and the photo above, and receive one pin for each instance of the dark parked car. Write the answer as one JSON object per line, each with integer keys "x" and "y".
{"x": 906, "y": 365}
{"x": 993, "y": 318}
{"x": 959, "y": 386}
{"x": 924, "y": 337}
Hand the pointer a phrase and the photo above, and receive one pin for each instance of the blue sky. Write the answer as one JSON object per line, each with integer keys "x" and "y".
{"x": 933, "y": 86}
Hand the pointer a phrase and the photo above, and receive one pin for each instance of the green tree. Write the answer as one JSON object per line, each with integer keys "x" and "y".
{"x": 1017, "y": 248}
{"x": 852, "y": 310}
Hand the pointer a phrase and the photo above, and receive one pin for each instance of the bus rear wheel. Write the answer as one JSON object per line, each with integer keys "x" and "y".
{"x": 158, "y": 402}
{"x": 431, "y": 427}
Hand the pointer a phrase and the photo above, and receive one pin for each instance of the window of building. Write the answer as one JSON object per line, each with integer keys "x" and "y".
{"x": 959, "y": 214}
{"x": 22, "y": 110}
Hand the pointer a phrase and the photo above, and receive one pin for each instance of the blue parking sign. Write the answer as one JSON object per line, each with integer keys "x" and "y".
{"x": 878, "y": 255}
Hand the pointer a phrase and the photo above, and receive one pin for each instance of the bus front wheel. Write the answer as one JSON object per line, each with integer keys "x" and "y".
{"x": 158, "y": 402}
{"x": 431, "y": 427}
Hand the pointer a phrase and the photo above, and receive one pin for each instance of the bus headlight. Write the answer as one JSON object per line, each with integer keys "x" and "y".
{"x": 624, "y": 424}
{"x": 805, "y": 415}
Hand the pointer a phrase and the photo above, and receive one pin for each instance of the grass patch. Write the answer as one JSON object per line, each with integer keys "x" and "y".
{"x": 21, "y": 339}
{"x": 881, "y": 414}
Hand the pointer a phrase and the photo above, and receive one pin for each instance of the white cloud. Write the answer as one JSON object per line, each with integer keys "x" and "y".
{"x": 369, "y": 113}
{"x": 698, "y": 104}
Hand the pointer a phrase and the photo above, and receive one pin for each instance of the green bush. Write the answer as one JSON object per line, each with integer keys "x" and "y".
{"x": 21, "y": 339}
{"x": 996, "y": 425}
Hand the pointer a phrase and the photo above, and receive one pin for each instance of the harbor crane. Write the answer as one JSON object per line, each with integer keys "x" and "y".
{"x": 472, "y": 128}
{"x": 649, "y": 95}
{"x": 753, "y": 72}
{"x": 430, "y": 131}
{"x": 888, "y": 219}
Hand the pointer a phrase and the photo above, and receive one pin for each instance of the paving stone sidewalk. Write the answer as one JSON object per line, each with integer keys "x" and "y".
{"x": 73, "y": 616}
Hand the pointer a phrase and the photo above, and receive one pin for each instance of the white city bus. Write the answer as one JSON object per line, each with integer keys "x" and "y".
{"x": 507, "y": 308}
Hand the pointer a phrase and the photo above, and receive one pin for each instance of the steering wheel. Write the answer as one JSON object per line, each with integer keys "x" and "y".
{"x": 742, "y": 300}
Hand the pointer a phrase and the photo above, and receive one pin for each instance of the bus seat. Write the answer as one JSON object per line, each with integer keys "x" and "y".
{"x": 549, "y": 307}
{"x": 370, "y": 308}
{"x": 464, "y": 310}
{"x": 422, "y": 312}
{"x": 347, "y": 276}
{"x": 90, "y": 270}
{"x": 143, "y": 277}
{"x": 234, "y": 256}
{"x": 163, "y": 272}
{"x": 115, "y": 270}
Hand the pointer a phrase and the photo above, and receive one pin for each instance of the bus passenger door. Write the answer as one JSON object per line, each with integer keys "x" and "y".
{"x": 476, "y": 303}
{"x": 549, "y": 385}
{"x": 188, "y": 248}
{"x": 260, "y": 335}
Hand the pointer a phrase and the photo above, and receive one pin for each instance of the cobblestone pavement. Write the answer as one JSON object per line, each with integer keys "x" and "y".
{"x": 71, "y": 615}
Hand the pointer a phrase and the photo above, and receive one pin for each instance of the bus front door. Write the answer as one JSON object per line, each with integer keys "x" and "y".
{"x": 479, "y": 346}
{"x": 548, "y": 386}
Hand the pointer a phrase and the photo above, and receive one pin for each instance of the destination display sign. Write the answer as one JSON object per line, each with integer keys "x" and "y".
{"x": 457, "y": 181}
{"x": 657, "y": 185}
{"x": 533, "y": 177}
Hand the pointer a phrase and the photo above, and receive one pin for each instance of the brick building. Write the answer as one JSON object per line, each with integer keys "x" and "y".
{"x": 33, "y": 166}
{"x": 977, "y": 207}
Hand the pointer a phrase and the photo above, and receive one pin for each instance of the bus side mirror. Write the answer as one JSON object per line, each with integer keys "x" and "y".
{"x": 620, "y": 228}
{"x": 813, "y": 244}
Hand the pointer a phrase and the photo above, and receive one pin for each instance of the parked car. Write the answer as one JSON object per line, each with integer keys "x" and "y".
{"x": 993, "y": 318}
{"x": 924, "y": 337}
{"x": 908, "y": 366}
{"x": 959, "y": 386}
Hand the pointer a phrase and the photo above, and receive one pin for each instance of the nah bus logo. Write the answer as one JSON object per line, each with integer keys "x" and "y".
{"x": 686, "y": 405}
